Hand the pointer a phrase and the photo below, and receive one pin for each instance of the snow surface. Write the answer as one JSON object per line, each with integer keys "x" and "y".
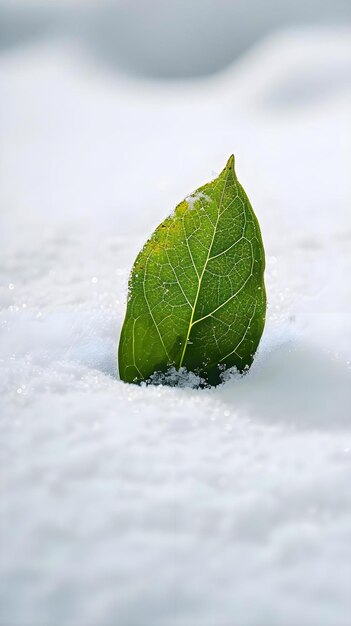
{"x": 173, "y": 506}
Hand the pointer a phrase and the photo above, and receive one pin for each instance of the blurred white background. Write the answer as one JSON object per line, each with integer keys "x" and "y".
{"x": 176, "y": 39}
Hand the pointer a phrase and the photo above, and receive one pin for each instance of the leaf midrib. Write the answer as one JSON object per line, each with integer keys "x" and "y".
{"x": 202, "y": 273}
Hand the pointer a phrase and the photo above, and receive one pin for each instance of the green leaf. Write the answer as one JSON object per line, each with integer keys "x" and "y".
{"x": 196, "y": 292}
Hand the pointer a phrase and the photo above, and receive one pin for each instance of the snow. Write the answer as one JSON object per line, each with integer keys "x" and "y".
{"x": 160, "y": 505}
{"x": 198, "y": 195}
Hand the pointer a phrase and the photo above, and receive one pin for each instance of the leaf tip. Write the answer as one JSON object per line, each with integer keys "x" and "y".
{"x": 231, "y": 163}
